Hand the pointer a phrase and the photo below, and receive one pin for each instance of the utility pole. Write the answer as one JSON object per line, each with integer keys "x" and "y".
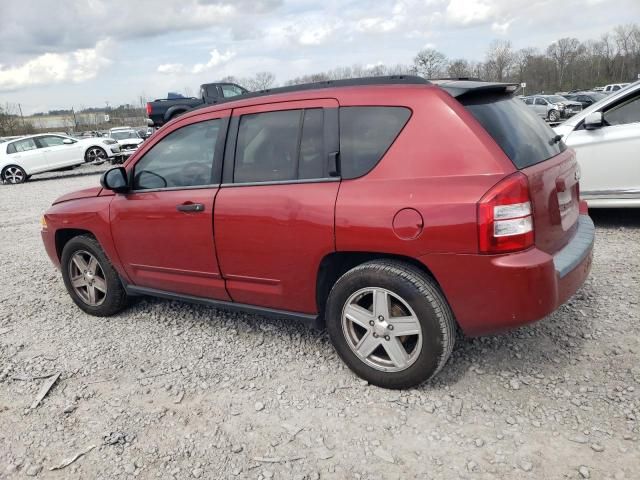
{"x": 21, "y": 116}
{"x": 75, "y": 122}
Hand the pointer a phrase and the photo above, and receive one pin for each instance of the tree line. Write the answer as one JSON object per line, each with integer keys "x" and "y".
{"x": 565, "y": 64}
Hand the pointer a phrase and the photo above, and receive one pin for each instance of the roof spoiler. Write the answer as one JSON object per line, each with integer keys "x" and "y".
{"x": 458, "y": 87}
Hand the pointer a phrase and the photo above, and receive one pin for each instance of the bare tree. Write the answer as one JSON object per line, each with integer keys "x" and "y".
{"x": 563, "y": 53}
{"x": 459, "y": 68}
{"x": 500, "y": 58}
{"x": 430, "y": 63}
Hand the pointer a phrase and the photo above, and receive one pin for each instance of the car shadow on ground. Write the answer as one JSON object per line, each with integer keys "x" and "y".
{"x": 616, "y": 217}
{"x": 75, "y": 173}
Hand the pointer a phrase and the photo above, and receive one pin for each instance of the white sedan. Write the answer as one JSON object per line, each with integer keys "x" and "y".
{"x": 20, "y": 158}
{"x": 606, "y": 138}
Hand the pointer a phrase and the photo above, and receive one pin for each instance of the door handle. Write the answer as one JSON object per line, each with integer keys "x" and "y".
{"x": 190, "y": 207}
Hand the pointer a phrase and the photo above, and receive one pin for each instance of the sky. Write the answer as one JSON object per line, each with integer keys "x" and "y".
{"x": 79, "y": 53}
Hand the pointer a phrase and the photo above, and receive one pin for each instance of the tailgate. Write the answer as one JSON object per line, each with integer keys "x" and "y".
{"x": 554, "y": 190}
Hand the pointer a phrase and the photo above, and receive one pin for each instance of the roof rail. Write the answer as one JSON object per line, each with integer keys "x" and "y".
{"x": 349, "y": 82}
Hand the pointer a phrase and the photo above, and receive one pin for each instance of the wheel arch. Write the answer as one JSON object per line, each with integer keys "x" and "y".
{"x": 64, "y": 235}
{"x": 336, "y": 264}
{"x": 175, "y": 111}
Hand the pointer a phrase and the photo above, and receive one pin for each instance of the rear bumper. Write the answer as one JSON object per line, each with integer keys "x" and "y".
{"x": 492, "y": 293}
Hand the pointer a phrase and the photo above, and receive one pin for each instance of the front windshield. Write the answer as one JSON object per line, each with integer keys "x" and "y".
{"x": 597, "y": 96}
{"x": 124, "y": 135}
{"x": 555, "y": 99}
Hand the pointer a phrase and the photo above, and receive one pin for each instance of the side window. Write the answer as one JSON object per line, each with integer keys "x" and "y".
{"x": 366, "y": 133}
{"x": 212, "y": 91}
{"x": 50, "y": 141}
{"x": 541, "y": 101}
{"x": 615, "y": 88}
{"x": 22, "y": 146}
{"x": 230, "y": 91}
{"x": 623, "y": 113}
{"x": 184, "y": 158}
{"x": 528, "y": 101}
{"x": 267, "y": 147}
{"x": 312, "y": 154}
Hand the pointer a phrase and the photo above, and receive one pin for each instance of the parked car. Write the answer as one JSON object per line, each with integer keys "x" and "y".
{"x": 585, "y": 99}
{"x": 597, "y": 89}
{"x": 32, "y": 154}
{"x": 606, "y": 138}
{"x": 614, "y": 87}
{"x": 128, "y": 139}
{"x": 351, "y": 203}
{"x": 552, "y": 107}
{"x": 160, "y": 111}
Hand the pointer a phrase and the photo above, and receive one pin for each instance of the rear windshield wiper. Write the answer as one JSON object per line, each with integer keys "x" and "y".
{"x": 555, "y": 139}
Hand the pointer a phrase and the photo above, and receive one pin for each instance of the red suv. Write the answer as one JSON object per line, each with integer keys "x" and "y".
{"x": 392, "y": 210}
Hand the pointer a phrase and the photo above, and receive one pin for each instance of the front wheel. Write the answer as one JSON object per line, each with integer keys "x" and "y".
{"x": 554, "y": 116}
{"x": 390, "y": 323}
{"x": 91, "y": 280}
{"x": 95, "y": 154}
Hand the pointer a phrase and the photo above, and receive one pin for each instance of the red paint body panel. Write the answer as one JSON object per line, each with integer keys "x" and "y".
{"x": 165, "y": 249}
{"x": 271, "y": 240}
{"x": 78, "y": 194}
{"x": 490, "y": 293}
{"x": 90, "y": 214}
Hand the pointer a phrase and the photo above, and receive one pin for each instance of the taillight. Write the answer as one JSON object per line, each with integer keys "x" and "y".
{"x": 505, "y": 216}
{"x": 148, "y": 108}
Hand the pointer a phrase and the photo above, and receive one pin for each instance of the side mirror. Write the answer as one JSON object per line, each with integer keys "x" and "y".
{"x": 68, "y": 141}
{"x": 149, "y": 122}
{"x": 115, "y": 180}
{"x": 593, "y": 121}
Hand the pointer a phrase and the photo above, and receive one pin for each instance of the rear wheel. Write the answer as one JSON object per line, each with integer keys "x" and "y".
{"x": 390, "y": 323}
{"x": 91, "y": 280}
{"x": 95, "y": 154}
{"x": 14, "y": 174}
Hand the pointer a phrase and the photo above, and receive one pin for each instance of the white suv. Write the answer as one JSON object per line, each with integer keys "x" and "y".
{"x": 606, "y": 138}
{"x": 614, "y": 87}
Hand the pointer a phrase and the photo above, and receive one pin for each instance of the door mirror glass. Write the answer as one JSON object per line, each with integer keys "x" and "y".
{"x": 67, "y": 141}
{"x": 593, "y": 121}
{"x": 115, "y": 180}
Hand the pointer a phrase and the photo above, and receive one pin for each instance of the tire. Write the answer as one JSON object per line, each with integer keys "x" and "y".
{"x": 411, "y": 294}
{"x": 105, "y": 303}
{"x": 554, "y": 116}
{"x": 175, "y": 115}
{"x": 14, "y": 174}
{"x": 95, "y": 154}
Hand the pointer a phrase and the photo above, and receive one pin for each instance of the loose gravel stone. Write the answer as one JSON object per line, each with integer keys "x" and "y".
{"x": 547, "y": 395}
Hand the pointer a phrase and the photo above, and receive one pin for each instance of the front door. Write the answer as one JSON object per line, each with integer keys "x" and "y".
{"x": 163, "y": 228}
{"x": 608, "y": 155}
{"x": 274, "y": 213}
{"x": 57, "y": 153}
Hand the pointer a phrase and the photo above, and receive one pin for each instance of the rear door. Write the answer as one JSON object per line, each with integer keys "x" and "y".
{"x": 163, "y": 228}
{"x": 274, "y": 213}
{"x": 26, "y": 154}
{"x": 608, "y": 155}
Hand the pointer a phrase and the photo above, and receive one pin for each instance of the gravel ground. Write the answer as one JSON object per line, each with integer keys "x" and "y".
{"x": 171, "y": 390}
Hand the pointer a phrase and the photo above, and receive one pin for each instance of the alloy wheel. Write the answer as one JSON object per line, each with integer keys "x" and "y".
{"x": 87, "y": 278}
{"x": 382, "y": 329}
{"x": 96, "y": 154}
{"x": 14, "y": 175}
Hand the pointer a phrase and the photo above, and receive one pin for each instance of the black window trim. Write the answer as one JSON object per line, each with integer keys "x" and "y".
{"x": 331, "y": 132}
{"x": 216, "y": 160}
{"x": 605, "y": 108}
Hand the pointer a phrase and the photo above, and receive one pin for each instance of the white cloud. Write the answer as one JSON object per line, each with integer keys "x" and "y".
{"x": 77, "y": 66}
{"x": 376, "y": 25}
{"x": 216, "y": 59}
{"x": 171, "y": 68}
{"x": 501, "y": 27}
{"x": 468, "y": 12}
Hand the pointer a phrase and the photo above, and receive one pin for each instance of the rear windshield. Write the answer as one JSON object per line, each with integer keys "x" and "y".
{"x": 516, "y": 128}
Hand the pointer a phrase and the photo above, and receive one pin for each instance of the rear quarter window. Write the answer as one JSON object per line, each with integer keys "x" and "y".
{"x": 524, "y": 137}
{"x": 366, "y": 133}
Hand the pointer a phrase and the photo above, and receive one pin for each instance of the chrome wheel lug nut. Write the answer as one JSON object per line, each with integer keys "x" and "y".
{"x": 390, "y": 327}
{"x": 372, "y": 323}
{"x": 387, "y": 338}
{"x": 381, "y": 318}
{"x": 375, "y": 335}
